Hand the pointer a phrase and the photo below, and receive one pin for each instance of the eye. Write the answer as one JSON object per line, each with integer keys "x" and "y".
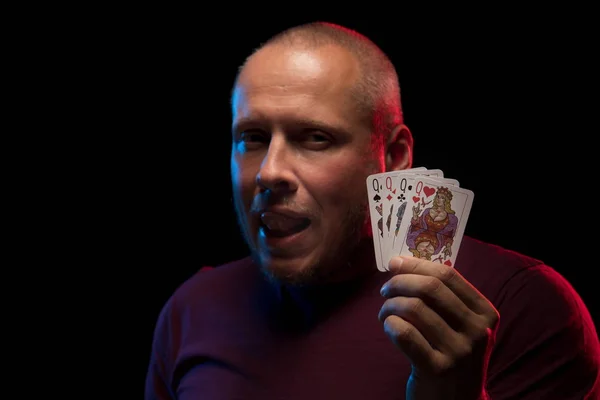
{"x": 316, "y": 139}
{"x": 251, "y": 140}
{"x": 252, "y": 136}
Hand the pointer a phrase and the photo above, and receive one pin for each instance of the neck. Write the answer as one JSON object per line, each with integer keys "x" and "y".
{"x": 313, "y": 300}
{"x": 359, "y": 264}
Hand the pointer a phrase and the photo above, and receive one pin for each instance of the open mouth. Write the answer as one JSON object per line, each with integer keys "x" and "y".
{"x": 280, "y": 225}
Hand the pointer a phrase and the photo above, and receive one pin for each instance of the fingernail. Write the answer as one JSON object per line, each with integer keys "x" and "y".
{"x": 395, "y": 262}
{"x": 383, "y": 290}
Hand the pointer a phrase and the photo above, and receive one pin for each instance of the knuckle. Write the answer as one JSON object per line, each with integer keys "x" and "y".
{"x": 482, "y": 331}
{"x": 489, "y": 320}
{"x": 419, "y": 263}
{"x": 400, "y": 333}
{"x": 493, "y": 318}
{"x": 463, "y": 349}
{"x": 432, "y": 284}
{"x": 443, "y": 365}
{"x": 413, "y": 306}
{"x": 447, "y": 274}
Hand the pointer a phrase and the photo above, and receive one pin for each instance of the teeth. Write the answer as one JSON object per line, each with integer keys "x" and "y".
{"x": 281, "y": 222}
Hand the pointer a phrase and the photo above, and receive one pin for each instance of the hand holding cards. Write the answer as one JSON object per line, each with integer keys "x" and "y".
{"x": 417, "y": 212}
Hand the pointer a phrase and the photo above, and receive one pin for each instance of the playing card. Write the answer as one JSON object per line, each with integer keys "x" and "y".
{"x": 382, "y": 190}
{"x": 434, "y": 221}
{"x": 447, "y": 181}
{"x": 377, "y": 202}
{"x": 403, "y": 182}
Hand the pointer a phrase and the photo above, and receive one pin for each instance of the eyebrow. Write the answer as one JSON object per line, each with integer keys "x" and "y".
{"x": 257, "y": 120}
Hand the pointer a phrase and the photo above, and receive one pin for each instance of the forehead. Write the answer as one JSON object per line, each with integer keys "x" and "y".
{"x": 275, "y": 64}
{"x": 293, "y": 83}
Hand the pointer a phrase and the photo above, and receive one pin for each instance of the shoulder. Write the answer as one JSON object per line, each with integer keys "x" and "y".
{"x": 545, "y": 327}
{"x": 476, "y": 251}
{"x": 192, "y": 307}
{"x": 210, "y": 283}
{"x": 528, "y": 293}
{"x": 503, "y": 274}
{"x": 489, "y": 267}
{"x": 207, "y": 275}
{"x": 202, "y": 294}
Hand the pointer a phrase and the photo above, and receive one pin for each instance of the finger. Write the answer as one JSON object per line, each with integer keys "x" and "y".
{"x": 430, "y": 325}
{"x": 436, "y": 295}
{"x": 449, "y": 276}
{"x": 412, "y": 343}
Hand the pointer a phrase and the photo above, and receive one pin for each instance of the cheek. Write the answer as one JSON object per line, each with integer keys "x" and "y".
{"x": 243, "y": 177}
{"x": 339, "y": 189}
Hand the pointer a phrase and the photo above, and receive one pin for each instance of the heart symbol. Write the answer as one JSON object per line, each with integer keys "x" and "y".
{"x": 428, "y": 191}
{"x": 448, "y": 263}
{"x": 416, "y": 199}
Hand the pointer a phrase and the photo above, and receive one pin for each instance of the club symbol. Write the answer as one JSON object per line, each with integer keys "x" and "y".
{"x": 401, "y": 197}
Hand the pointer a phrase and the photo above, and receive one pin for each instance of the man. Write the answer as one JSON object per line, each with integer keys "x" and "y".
{"x": 315, "y": 111}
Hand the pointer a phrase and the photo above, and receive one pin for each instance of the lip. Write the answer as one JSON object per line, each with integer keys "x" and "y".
{"x": 287, "y": 246}
{"x": 283, "y": 245}
{"x": 281, "y": 211}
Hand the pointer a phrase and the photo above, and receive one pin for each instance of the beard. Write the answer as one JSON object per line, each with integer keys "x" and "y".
{"x": 344, "y": 257}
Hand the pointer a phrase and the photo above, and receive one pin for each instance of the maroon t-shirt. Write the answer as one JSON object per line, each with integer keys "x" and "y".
{"x": 228, "y": 334}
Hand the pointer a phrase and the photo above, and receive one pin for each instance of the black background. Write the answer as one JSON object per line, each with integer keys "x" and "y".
{"x": 495, "y": 100}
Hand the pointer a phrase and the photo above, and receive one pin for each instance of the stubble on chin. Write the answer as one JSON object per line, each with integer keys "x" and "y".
{"x": 336, "y": 261}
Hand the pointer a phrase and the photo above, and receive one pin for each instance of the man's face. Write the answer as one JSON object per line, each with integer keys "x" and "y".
{"x": 299, "y": 160}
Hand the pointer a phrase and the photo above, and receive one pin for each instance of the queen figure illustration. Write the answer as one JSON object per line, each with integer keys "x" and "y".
{"x": 432, "y": 232}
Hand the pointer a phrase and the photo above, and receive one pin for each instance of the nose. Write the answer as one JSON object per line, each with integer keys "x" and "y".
{"x": 276, "y": 172}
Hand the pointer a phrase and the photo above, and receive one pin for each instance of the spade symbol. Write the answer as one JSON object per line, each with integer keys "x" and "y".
{"x": 377, "y": 198}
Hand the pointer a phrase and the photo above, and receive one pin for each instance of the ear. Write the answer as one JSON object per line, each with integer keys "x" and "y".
{"x": 399, "y": 149}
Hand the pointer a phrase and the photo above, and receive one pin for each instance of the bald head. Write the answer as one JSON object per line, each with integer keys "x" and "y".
{"x": 374, "y": 89}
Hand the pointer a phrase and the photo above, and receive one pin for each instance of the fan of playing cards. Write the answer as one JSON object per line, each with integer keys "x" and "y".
{"x": 417, "y": 212}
